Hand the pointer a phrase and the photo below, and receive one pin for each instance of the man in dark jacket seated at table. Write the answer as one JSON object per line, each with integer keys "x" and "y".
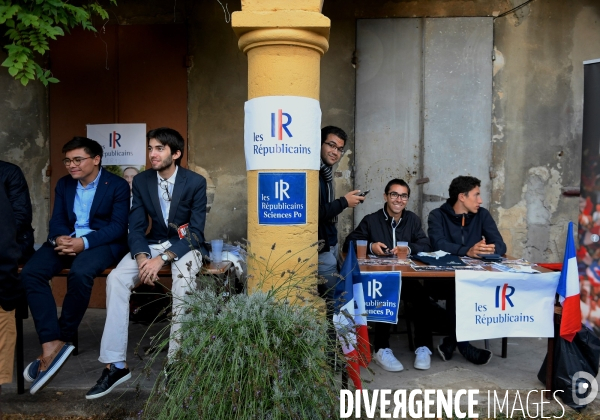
{"x": 462, "y": 227}
{"x": 382, "y": 230}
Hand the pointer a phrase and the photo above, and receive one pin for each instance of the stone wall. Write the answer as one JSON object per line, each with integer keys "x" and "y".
{"x": 537, "y": 109}
{"x": 24, "y": 141}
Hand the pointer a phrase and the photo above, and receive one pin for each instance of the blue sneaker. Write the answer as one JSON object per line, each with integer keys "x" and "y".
{"x": 50, "y": 366}
{"x": 31, "y": 371}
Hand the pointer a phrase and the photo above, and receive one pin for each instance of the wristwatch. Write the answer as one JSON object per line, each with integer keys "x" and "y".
{"x": 166, "y": 259}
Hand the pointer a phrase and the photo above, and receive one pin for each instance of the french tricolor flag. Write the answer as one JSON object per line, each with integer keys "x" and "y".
{"x": 349, "y": 318}
{"x": 568, "y": 289}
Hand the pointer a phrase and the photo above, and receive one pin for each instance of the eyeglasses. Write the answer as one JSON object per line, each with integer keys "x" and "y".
{"x": 394, "y": 195}
{"x": 164, "y": 185}
{"x": 334, "y": 147}
{"x": 77, "y": 161}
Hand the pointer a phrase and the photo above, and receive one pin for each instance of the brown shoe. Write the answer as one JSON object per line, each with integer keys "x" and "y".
{"x": 50, "y": 365}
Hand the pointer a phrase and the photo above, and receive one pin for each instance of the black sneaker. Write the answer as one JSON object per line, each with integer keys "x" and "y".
{"x": 446, "y": 349}
{"x": 475, "y": 355}
{"x": 108, "y": 381}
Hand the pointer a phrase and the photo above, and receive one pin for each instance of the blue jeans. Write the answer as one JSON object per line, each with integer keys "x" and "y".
{"x": 328, "y": 268}
{"x": 38, "y": 271}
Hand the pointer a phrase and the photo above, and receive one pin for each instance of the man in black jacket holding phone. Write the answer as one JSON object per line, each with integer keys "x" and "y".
{"x": 333, "y": 140}
{"x": 462, "y": 227}
{"x": 382, "y": 230}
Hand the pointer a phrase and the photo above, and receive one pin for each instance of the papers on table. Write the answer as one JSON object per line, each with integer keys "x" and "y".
{"x": 473, "y": 264}
{"x": 515, "y": 268}
{"x": 446, "y": 267}
{"x": 436, "y": 254}
{"x": 383, "y": 261}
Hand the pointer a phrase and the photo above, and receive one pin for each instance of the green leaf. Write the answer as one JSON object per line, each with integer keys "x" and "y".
{"x": 7, "y": 62}
{"x": 32, "y": 23}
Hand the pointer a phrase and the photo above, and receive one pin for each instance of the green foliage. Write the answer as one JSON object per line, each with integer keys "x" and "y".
{"x": 248, "y": 356}
{"x": 32, "y": 23}
{"x": 251, "y": 357}
{"x": 114, "y": 169}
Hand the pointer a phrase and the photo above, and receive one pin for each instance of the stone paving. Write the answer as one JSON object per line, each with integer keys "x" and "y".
{"x": 65, "y": 395}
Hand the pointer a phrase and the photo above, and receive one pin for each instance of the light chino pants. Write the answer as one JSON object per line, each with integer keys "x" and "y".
{"x": 119, "y": 284}
{"x": 8, "y": 339}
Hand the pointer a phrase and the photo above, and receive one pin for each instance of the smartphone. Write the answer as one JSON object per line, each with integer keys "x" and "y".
{"x": 364, "y": 193}
{"x": 490, "y": 257}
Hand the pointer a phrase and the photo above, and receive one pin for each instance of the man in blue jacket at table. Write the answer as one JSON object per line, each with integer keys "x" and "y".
{"x": 462, "y": 227}
{"x": 88, "y": 234}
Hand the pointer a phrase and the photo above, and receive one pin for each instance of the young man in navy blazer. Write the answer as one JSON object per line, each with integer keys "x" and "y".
{"x": 88, "y": 233}
{"x": 171, "y": 196}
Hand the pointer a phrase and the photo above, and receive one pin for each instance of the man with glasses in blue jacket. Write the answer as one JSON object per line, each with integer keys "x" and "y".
{"x": 88, "y": 234}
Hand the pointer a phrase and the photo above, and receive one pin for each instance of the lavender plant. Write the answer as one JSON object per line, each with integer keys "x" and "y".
{"x": 250, "y": 356}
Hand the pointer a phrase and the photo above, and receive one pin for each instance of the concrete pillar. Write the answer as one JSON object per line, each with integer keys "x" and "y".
{"x": 284, "y": 41}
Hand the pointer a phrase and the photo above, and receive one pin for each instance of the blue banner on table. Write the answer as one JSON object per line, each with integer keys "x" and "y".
{"x": 382, "y": 295}
{"x": 282, "y": 198}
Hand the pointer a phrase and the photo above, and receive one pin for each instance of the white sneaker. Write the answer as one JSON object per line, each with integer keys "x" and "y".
{"x": 385, "y": 358}
{"x": 423, "y": 359}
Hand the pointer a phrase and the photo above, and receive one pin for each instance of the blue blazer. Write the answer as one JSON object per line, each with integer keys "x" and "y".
{"x": 108, "y": 215}
{"x": 188, "y": 205}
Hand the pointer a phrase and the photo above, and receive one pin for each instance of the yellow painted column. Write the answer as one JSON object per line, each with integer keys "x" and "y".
{"x": 284, "y": 41}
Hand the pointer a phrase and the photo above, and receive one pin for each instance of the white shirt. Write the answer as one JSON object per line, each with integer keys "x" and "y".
{"x": 169, "y": 184}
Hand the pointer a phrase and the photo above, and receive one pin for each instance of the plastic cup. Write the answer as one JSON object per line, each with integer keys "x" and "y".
{"x": 361, "y": 249}
{"x": 402, "y": 250}
{"x": 217, "y": 250}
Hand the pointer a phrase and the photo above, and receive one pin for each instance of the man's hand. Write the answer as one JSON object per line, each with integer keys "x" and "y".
{"x": 149, "y": 268}
{"x": 69, "y": 246}
{"x": 353, "y": 199}
{"x": 481, "y": 248}
{"x": 61, "y": 240}
{"x": 378, "y": 248}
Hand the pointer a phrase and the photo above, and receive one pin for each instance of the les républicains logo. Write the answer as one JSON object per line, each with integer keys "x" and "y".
{"x": 280, "y": 123}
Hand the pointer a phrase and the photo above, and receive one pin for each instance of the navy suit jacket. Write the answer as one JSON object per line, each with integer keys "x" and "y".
{"x": 188, "y": 205}
{"x": 108, "y": 215}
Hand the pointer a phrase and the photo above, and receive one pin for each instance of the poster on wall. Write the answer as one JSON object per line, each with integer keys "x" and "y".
{"x": 282, "y": 198}
{"x": 588, "y": 252}
{"x": 282, "y": 132}
{"x": 124, "y": 148}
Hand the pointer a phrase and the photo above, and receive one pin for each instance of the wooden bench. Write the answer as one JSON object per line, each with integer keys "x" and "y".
{"x": 221, "y": 269}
